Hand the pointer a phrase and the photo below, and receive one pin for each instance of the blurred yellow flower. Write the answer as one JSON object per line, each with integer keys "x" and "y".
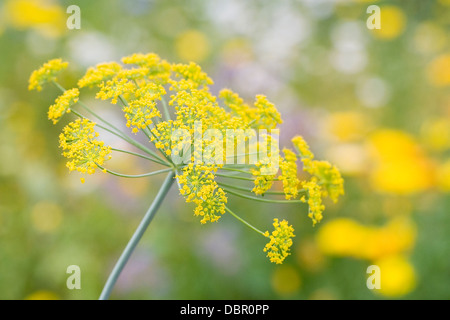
{"x": 342, "y": 237}
{"x": 45, "y": 16}
{"x": 397, "y": 276}
{"x": 192, "y": 45}
{"x": 43, "y": 295}
{"x": 399, "y": 235}
{"x": 286, "y": 280}
{"x": 399, "y": 164}
{"x": 46, "y": 216}
{"x": 393, "y": 22}
{"x": 347, "y": 238}
{"x": 438, "y": 71}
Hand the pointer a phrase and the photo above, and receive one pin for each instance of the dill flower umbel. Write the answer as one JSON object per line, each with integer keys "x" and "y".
{"x": 85, "y": 152}
{"x": 63, "y": 104}
{"x": 280, "y": 241}
{"x": 288, "y": 168}
{"x": 213, "y": 147}
{"x": 96, "y": 75}
{"x": 46, "y": 73}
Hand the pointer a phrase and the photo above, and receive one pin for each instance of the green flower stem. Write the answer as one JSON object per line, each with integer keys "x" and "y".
{"x": 137, "y": 155}
{"x": 240, "y": 188}
{"x": 233, "y": 177}
{"x": 166, "y": 109}
{"x": 235, "y": 170}
{"x": 137, "y": 236}
{"x": 243, "y": 221}
{"x": 134, "y": 175}
{"x": 261, "y": 199}
{"x": 81, "y": 103}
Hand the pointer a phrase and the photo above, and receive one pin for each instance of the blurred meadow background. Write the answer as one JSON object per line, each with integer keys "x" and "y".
{"x": 374, "y": 102}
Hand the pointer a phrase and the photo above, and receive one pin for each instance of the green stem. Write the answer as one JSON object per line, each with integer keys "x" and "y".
{"x": 137, "y": 155}
{"x": 261, "y": 199}
{"x": 233, "y": 177}
{"x": 243, "y": 221}
{"x": 236, "y": 170}
{"x": 166, "y": 109}
{"x": 134, "y": 175}
{"x": 136, "y": 237}
{"x": 240, "y": 188}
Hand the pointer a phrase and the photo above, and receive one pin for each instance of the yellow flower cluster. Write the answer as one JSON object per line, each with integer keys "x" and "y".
{"x": 46, "y": 73}
{"x": 326, "y": 180}
{"x": 314, "y": 200}
{"x": 96, "y": 75}
{"x": 158, "y": 70}
{"x": 197, "y": 185}
{"x": 288, "y": 168}
{"x": 63, "y": 104}
{"x": 81, "y": 148}
{"x": 267, "y": 116}
{"x": 161, "y": 136}
{"x": 140, "y": 112}
{"x": 280, "y": 241}
{"x": 237, "y": 106}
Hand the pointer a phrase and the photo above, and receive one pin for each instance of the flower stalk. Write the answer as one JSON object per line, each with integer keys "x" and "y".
{"x": 125, "y": 256}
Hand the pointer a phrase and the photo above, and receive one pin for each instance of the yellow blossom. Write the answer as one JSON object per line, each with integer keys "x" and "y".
{"x": 141, "y": 111}
{"x": 81, "y": 148}
{"x": 191, "y": 76}
{"x": 98, "y": 74}
{"x": 237, "y": 106}
{"x": 398, "y": 276}
{"x": 314, "y": 200}
{"x": 303, "y": 149}
{"x": 263, "y": 181}
{"x": 114, "y": 88}
{"x": 46, "y": 73}
{"x": 288, "y": 168}
{"x": 63, "y": 104}
{"x": 280, "y": 241}
{"x": 158, "y": 70}
{"x": 327, "y": 174}
{"x": 198, "y": 186}
{"x": 267, "y": 116}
